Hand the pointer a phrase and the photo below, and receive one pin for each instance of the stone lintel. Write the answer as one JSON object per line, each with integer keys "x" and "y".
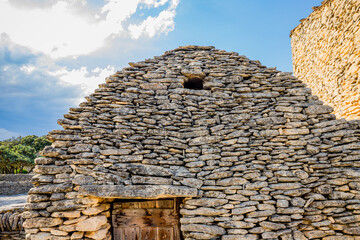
{"x": 138, "y": 191}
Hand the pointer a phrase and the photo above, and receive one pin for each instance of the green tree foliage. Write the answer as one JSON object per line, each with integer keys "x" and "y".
{"x": 18, "y": 153}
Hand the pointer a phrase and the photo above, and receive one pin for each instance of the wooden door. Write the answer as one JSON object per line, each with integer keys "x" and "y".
{"x": 146, "y": 220}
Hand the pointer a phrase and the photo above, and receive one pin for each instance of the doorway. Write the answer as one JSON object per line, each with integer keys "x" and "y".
{"x": 146, "y": 220}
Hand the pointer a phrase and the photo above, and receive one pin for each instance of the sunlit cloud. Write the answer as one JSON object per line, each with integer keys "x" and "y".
{"x": 27, "y": 68}
{"x": 154, "y": 3}
{"x": 163, "y": 23}
{"x": 72, "y": 28}
{"x": 45, "y": 46}
{"x": 86, "y": 80}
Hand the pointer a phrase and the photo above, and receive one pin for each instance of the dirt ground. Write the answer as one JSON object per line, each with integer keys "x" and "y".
{"x": 13, "y": 201}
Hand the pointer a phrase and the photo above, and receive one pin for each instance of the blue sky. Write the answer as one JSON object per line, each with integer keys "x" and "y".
{"x": 53, "y": 53}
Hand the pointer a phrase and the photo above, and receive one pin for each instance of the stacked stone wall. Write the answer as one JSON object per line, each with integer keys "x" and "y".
{"x": 253, "y": 154}
{"x": 12, "y": 184}
{"x": 11, "y": 223}
{"x": 326, "y": 55}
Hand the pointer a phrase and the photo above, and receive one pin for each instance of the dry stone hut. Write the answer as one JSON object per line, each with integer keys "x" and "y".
{"x": 198, "y": 143}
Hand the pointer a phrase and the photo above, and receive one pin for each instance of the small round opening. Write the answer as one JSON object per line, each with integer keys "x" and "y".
{"x": 194, "y": 83}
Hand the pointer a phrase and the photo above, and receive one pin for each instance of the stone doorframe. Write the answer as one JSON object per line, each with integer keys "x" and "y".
{"x": 98, "y": 201}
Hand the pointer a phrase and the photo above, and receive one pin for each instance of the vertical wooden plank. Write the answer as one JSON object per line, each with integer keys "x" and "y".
{"x": 118, "y": 234}
{"x": 148, "y": 233}
{"x": 176, "y": 206}
{"x": 165, "y": 233}
{"x": 177, "y": 233}
{"x": 131, "y": 233}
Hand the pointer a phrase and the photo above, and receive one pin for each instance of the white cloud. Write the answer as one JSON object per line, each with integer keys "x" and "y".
{"x": 87, "y": 80}
{"x": 164, "y": 23}
{"x": 69, "y": 28}
{"x": 5, "y": 134}
{"x": 154, "y": 3}
{"x": 151, "y": 26}
{"x": 19, "y": 68}
{"x": 27, "y": 68}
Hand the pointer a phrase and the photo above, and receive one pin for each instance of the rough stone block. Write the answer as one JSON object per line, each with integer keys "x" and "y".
{"x": 91, "y": 224}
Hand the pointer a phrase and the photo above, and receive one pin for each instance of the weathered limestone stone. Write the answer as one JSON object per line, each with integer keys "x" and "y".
{"x": 90, "y": 200}
{"x": 49, "y": 151}
{"x": 272, "y": 226}
{"x": 318, "y": 109}
{"x": 205, "y": 140}
{"x": 343, "y": 237}
{"x": 98, "y": 235}
{"x": 237, "y": 224}
{"x": 192, "y": 182}
{"x": 77, "y": 235}
{"x": 149, "y": 170}
{"x": 244, "y": 237}
{"x": 203, "y": 211}
{"x": 193, "y": 73}
{"x": 63, "y": 205}
{"x": 96, "y": 210}
{"x": 91, "y": 224}
{"x": 51, "y": 170}
{"x": 207, "y": 202}
{"x": 341, "y": 195}
{"x": 154, "y": 191}
{"x": 41, "y": 222}
{"x": 51, "y": 188}
{"x": 231, "y": 181}
{"x": 244, "y": 210}
{"x": 74, "y": 220}
{"x": 69, "y": 214}
{"x": 299, "y": 235}
{"x": 37, "y": 198}
{"x": 314, "y": 234}
{"x": 108, "y": 152}
{"x": 324, "y": 189}
{"x": 67, "y": 227}
{"x": 58, "y": 232}
{"x": 212, "y": 230}
{"x": 285, "y": 186}
{"x": 44, "y": 161}
{"x": 300, "y": 131}
{"x": 256, "y": 185}
{"x": 40, "y": 236}
{"x": 197, "y": 220}
{"x": 265, "y": 213}
{"x": 82, "y": 180}
{"x": 150, "y": 180}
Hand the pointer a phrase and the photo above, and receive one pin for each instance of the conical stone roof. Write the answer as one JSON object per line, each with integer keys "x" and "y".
{"x": 248, "y": 148}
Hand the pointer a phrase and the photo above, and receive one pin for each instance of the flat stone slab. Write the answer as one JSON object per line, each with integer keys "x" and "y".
{"x": 138, "y": 191}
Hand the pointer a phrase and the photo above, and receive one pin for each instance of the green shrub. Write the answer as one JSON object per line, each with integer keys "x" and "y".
{"x": 18, "y": 153}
